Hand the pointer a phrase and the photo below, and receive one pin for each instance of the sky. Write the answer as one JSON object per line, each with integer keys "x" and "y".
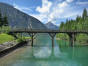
{"x": 55, "y": 11}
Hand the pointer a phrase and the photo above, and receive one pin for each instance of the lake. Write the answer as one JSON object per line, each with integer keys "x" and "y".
{"x": 43, "y": 54}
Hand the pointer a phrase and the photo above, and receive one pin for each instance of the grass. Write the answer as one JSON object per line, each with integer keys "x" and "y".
{"x": 21, "y": 39}
{"x": 27, "y": 37}
{"x": 5, "y": 38}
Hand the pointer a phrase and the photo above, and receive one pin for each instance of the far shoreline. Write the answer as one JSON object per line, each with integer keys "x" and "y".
{"x": 78, "y": 44}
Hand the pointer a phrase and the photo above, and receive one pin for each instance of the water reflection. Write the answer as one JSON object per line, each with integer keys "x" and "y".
{"x": 46, "y": 56}
{"x": 43, "y": 53}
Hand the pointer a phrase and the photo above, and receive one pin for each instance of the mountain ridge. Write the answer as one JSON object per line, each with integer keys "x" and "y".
{"x": 51, "y": 26}
{"x": 20, "y": 20}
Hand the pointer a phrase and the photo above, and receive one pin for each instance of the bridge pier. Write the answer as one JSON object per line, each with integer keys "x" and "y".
{"x": 71, "y": 39}
{"x": 32, "y": 35}
{"x": 52, "y": 35}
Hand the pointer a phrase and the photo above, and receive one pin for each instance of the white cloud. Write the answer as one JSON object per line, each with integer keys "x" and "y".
{"x": 50, "y": 11}
{"x": 21, "y": 8}
{"x": 54, "y": 11}
{"x": 45, "y": 6}
{"x": 73, "y": 15}
{"x": 44, "y": 11}
{"x": 55, "y": 14}
{"x": 82, "y": 3}
{"x": 57, "y": 11}
{"x": 40, "y": 17}
{"x": 63, "y": 4}
{"x": 69, "y": 0}
{"x": 57, "y": 24}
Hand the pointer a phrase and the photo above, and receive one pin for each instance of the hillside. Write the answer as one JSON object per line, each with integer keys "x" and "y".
{"x": 79, "y": 24}
{"x": 51, "y": 26}
{"x": 20, "y": 20}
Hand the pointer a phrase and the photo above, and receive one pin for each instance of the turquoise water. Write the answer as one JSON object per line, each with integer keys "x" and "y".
{"x": 43, "y": 54}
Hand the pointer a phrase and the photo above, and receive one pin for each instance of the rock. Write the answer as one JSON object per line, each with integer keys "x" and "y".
{"x": 1, "y": 47}
{"x": 7, "y": 45}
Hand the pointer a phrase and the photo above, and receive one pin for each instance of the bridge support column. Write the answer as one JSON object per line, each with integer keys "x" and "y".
{"x": 71, "y": 39}
{"x": 52, "y": 35}
{"x": 32, "y": 35}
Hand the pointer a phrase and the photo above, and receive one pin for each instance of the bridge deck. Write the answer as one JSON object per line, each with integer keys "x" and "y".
{"x": 45, "y": 31}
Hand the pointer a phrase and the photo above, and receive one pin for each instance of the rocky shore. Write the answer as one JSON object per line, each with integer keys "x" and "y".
{"x": 7, "y": 47}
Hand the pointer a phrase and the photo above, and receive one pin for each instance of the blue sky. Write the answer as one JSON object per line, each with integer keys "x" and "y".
{"x": 53, "y": 11}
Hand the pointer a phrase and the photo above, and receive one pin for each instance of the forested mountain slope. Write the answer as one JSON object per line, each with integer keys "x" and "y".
{"x": 80, "y": 24}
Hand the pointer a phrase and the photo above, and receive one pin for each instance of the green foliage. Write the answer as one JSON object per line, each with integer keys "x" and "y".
{"x": 27, "y": 37}
{"x": 7, "y": 32}
{"x": 80, "y": 24}
{"x": 3, "y": 20}
{"x": 63, "y": 36}
{"x": 5, "y": 38}
{"x": 86, "y": 24}
{"x": 5, "y": 29}
{"x": 82, "y": 38}
{"x": 21, "y": 39}
{"x": 63, "y": 43}
{"x": 84, "y": 15}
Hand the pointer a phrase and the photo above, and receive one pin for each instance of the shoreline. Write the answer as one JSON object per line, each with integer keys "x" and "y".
{"x": 13, "y": 48}
{"x": 57, "y": 38}
{"x": 77, "y": 44}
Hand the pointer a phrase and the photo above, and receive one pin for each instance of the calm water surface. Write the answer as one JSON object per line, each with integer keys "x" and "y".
{"x": 42, "y": 54}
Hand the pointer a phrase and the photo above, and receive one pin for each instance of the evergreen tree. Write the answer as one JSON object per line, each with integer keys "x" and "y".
{"x": 77, "y": 18}
{"x": 1, "y": 23}
{"x": 67, "y": 26}
{"x": 61, "y": 25}
{"x": 84, "y": 15}
{"x": 5, "y": 20}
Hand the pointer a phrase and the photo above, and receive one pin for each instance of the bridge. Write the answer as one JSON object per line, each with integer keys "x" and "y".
{"x": 52, "y": 33}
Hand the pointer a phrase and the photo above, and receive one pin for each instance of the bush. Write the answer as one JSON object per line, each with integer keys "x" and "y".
{"x": 20, "y": 40}
{"x": 7, "y": 32}
{"x": 23, "y": 38}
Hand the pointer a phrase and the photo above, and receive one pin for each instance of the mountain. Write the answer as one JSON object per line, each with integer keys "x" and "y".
{"x": 51, "y": 26}
{"x": 20, "y": 20}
